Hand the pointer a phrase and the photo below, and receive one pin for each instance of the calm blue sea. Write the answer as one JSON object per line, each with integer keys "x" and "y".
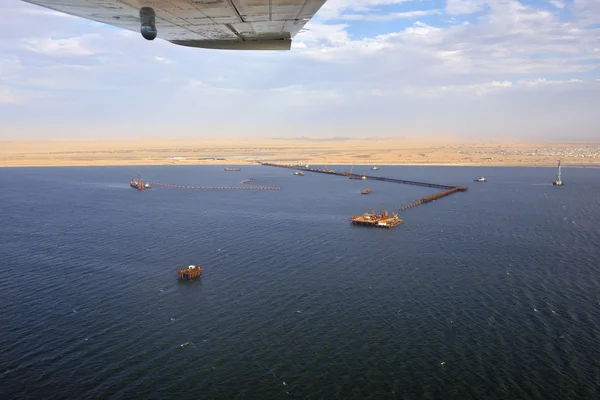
{"x": 489, "y": 294}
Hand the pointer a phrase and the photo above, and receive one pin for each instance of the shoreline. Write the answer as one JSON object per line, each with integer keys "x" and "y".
{"x": 345, "y": 164}
{"x": 244, "y": 152}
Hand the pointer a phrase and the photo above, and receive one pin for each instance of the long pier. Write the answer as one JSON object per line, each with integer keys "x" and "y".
{"x": 246, "y": 182}
{"x": 447, "y": 189}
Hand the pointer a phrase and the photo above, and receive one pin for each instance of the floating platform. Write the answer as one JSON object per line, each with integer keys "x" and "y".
{"x": 233, "y": 169}
{"x": 383, "y": 220}
{"x": 139, "y": 184}
{"x": 190, "y": 273}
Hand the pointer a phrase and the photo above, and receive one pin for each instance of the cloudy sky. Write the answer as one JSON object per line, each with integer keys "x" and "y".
{"x": 488, "y": 69}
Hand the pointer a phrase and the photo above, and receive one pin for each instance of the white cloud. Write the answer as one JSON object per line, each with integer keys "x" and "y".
{"x": 9, "y": 66}
{"x": 333, "y": 9}
{"x": 73, "y": 46}
{"x": 49, "y": 13}
{"x": 199, "y": 87}
{"x": 163, "y": 60}
{"x": 558, "y": 4}
{"x": 510, "y": 54}
{"x": 458, "y": 7}
{"x": 389, "y": 16}
{"x": 299, "y": 95}
{"x": 7, "y": 96}
{"x": 494, "y": 87}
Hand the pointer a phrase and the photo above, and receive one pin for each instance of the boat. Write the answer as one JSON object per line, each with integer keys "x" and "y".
{"x": 139, "y": 184}
{"x": 374, "y": 168}
{"x": 299, "y": 173}
{"x": 366, "y": 191}
{"x": 558, "y": 181}
{"x": 482, "y": 179}
{"x": 233, "y": 169}
{"x": 364, "y": 178}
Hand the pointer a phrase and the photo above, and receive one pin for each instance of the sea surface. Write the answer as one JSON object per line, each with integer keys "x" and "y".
{"x": 489, "y": 294}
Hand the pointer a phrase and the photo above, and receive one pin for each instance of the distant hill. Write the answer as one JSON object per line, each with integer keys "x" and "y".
{"x": 330, "y": 139}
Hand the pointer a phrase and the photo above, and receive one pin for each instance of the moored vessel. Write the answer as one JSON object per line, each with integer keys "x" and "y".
{"x": 139, "y": 184}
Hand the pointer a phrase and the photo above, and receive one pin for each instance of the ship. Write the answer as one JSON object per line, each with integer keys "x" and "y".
{"x": 558, "y": 181}
{"x": 374, "y": 168}
{"x": 233, "y": 169}
{"x": 299, "y": 173}
{"x": 366, "y": 191}
{"x": 364, "y": 178}
{"x": 482, "y": 179}
{"x": 139, "y": 184}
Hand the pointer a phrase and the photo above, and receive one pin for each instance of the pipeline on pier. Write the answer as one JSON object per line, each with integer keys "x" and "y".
{"x": 359, "y": 176}
{"x": 428, "y": 199}
{"x": 448, "y": 189}
{"x": 246, "y": 182}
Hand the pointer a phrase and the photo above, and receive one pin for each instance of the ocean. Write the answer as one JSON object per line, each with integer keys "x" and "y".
{"x": 493, "y": 293}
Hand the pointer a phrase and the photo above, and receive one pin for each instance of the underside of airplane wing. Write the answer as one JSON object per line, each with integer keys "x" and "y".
{"x": 212, "y": 24}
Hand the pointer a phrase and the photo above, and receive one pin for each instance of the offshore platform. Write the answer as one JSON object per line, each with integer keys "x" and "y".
{"x": 139, "y": 184}
{"x": 190, "y": 273}
{"x": 558, "y": 181}
{"x": 383, "y": 220}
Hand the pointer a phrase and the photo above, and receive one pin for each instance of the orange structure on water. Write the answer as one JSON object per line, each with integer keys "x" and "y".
{"x": 139, "y": 184}
{"x": 383, "y": 220}
{"x": 190, "y": 273}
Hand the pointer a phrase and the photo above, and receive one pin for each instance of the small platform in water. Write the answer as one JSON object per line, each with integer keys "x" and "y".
{"x": 383, "y": 220}
{"x": 558, "y": 181}
{"x": 190, "y": 273}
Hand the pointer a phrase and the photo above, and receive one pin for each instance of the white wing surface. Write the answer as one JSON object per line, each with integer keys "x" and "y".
{"x": 213, "y": 24}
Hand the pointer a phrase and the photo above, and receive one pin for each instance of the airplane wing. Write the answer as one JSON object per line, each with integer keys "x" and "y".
{"x": 211, "y": 24}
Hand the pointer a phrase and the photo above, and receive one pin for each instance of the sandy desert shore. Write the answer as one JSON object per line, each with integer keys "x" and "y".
{"x": 391, "y": 151}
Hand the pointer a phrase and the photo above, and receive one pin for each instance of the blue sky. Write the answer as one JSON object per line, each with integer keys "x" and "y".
{"x": 477, "y": 69}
